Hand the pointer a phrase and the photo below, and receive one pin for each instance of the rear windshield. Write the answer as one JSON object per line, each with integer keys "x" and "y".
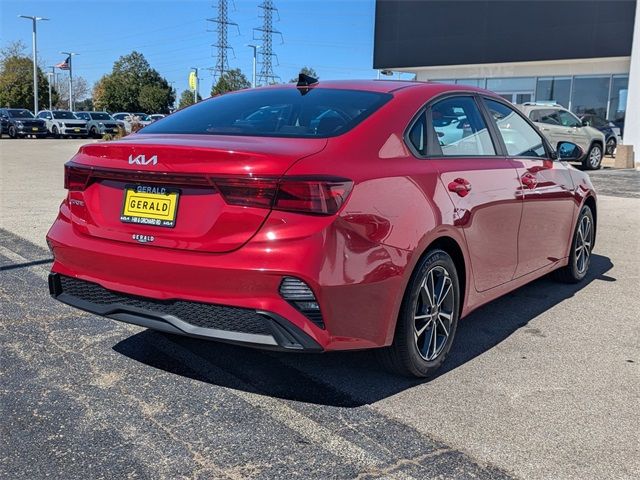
{"x": 20, "y": 113}
{"x": 275, "y": 113}
{"x": 61, "y": 114}
{"x": 100, "y": 116}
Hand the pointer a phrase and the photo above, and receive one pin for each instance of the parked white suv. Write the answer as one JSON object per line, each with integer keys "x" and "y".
{"x": 63, "y": 123}
{"x": 560, "y": 125}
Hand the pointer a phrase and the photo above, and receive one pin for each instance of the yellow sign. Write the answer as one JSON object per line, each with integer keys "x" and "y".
{"x": 193, "y": 81}
{"x": 142, "y": 206}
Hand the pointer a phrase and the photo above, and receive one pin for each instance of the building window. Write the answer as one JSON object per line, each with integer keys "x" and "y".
{"x": 618, "y": 99}
{"x": 471, "y": 82}
{"x": 590, "y": 95}
{"x": 554, "y": 89}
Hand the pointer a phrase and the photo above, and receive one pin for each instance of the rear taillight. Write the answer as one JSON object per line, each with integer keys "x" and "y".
{"x": 248, "y": 192}
{"x": 322, "y": 197}
{"x": 313, "y": 196}
{"x": 75, "y": 178}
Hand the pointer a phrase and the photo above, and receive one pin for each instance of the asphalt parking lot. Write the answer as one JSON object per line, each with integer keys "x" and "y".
{"x": 541, "y": 384}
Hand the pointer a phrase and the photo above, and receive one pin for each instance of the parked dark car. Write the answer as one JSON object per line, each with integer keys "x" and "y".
{"x": 18, "y": 122}
{"x": 611, "y": 131}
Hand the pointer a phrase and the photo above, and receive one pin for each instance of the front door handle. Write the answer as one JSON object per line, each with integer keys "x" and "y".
{"x": 529, "y": 181}
{"x": 460, "y": 186}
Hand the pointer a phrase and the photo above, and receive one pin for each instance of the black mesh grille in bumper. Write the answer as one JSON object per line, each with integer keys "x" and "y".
{"x": 191, "y": 318}
{"x": 199, "y": 314}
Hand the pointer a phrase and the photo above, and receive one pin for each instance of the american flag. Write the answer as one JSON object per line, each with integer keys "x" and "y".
{"x": 64, "y": 65}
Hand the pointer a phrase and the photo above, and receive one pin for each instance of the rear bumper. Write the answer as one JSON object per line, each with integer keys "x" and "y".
{"x": 358, "y": 286}
{"x": 194, "y": 319}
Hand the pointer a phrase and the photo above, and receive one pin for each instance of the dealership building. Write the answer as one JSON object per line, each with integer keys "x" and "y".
{"x": 580, "y": 54}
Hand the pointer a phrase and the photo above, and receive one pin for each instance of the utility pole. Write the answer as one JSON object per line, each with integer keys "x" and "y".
{"x": 222, "y": 45}
{"x": 35, "y": 59}
{"x": 71, "y": 54}
{"x": 267, "y": 32}
{"x": 253, "y": 70}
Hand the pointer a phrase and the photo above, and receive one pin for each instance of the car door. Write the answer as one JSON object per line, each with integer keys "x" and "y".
{"x": 546, "y": 190}
{"x": 482, "y": 184}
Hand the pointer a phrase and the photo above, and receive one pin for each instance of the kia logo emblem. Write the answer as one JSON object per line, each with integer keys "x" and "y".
{"x": 143, "y": 160}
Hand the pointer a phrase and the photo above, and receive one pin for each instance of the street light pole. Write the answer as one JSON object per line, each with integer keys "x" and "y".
{"x": 253, "y": 71}
{"x": 71, "y": 54}
{"x": 35, "y": 59}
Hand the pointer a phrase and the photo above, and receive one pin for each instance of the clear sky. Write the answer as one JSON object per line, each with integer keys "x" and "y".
{"x": 335, "y": 37}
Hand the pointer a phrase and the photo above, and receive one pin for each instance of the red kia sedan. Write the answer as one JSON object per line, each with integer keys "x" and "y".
{"x": 322, "y": 216}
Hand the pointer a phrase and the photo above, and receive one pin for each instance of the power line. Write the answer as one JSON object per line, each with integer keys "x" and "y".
{"x": 222, "y": 45}
{"x": 266, "y": 33}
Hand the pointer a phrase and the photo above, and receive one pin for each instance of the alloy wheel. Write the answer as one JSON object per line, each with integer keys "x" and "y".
{"x": 611, "y": 146}
{"x": 584, "y": 239}
{"x": 595, "y": 157}
{"x": 433, "y": 316}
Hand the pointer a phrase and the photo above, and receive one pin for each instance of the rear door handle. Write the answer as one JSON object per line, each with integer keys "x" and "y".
{"x": 460, "y": 186}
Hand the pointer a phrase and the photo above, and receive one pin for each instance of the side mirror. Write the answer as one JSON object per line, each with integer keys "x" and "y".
{"x": 569, "y": 151}
{"x": 586, "y": 123}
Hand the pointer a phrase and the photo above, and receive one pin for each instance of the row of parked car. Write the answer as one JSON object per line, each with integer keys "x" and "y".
{"x": 19, "y": 122}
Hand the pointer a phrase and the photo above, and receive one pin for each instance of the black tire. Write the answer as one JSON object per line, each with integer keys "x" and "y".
{"x": 54, "y": 132}
{"x": 404, "y": 356}
{"x": 13, "y": 132}
{"x": 611, "y": 146}
{"x": 93, "y": 133}
{"x": 593, "y": 159}
{"x": 575, "y": 272}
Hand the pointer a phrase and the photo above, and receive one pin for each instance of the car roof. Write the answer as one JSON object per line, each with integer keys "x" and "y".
{"x": 382, "y": 86}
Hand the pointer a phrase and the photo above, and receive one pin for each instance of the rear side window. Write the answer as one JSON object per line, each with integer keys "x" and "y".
{"x": 519, "y": 137}
{"x": 285, "y": 112}
{"x": 460, "y": 129}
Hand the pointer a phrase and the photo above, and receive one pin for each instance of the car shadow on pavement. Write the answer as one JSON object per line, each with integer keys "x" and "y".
{"x": 346, "y": 379}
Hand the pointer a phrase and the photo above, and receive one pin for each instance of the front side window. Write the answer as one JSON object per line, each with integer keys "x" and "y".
{"x": 460, "y": 128}
{"x": 548, "y": 116}
{"x": 568, "y": 119}
{"x": 520, "y": 138}
{"x": 281, "y": 112}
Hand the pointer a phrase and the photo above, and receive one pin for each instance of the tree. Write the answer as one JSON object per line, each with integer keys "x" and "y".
{"x": 230, "y": 81}
{"x": 133, "y": 86}
{"x": 307, "y": 71}
{"x": 80, "y": 91}
{"x": 186, "y": 99}
{"x": 85, "y": 105}
{"x": 16, "y": 79}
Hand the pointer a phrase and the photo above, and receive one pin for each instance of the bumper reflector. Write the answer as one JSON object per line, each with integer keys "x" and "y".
{"x": 300, "y": 295}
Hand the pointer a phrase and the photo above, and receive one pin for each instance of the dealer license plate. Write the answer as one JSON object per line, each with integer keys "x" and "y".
{"x": 150, "y": 205}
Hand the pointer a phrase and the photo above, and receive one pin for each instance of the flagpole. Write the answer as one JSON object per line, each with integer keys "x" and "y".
{"x": 71, "y": 54}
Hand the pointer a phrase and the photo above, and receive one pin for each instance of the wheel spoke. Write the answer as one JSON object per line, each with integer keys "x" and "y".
{"x": 433, "y": 341}
{"x": 420, "y": 331}
{"x": 444, "y": 327}
{"x": 444, "y": 291}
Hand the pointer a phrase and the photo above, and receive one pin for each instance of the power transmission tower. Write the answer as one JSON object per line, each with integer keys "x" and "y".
{"x": 265, "y": 35}
{"x": 222, "y": 24}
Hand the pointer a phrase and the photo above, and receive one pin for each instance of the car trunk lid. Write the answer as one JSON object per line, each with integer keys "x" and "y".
{"x": 180, "y": 177}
